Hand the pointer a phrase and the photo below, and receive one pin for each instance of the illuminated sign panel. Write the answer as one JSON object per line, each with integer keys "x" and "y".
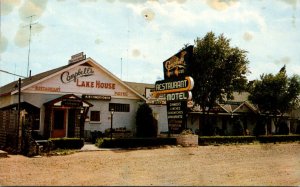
{"x": 176, "y": 116}
{"x": 175, "y": 66}
{"x": 163, "y": 87}
{"x": 179, "y": 96}
{"x": 176, "y": 87}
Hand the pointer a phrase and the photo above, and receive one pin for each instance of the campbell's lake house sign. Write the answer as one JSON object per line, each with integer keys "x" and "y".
{"x": 67, "y": 77}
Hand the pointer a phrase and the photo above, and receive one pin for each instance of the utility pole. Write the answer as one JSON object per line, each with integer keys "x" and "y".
{"x": 18, "y": 120}
{"x": 30, "y": 26}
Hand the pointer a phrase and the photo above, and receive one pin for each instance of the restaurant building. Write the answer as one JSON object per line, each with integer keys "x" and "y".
{"x": 69, "y": 101}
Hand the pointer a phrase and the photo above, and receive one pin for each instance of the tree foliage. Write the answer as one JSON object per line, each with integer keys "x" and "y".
{"x": 217, "y": 69}
{"x": 275, "y": 94}
{"x": 146, "y": 124}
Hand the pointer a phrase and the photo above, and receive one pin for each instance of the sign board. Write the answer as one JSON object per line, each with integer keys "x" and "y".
{"x": 77, "y": 57}
{"x": 70, "y": 102}
{"x": 97, "y": 97}
{"x": 171, "y": 86}
{"x": 175, "y": 66}
{"x": 179, "y": 96}
{"x": 176, "y": 116}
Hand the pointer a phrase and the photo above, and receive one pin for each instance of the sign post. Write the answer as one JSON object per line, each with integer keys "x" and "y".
{"x": 176, "y": 87}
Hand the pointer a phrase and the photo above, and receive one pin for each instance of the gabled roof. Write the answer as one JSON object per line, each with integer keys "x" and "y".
{"x": 140, "y": 87}
{"x": 239, "y": 104}
{"x": 11, "y": 88}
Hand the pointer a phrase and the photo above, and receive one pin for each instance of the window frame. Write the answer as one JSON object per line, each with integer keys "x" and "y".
{"x": 119, "y": 107}
{"x": 93, "y": 115}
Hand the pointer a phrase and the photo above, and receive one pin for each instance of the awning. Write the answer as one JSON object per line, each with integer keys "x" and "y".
{"x": 69, "y": 100}
{"x": 23, "y": 105}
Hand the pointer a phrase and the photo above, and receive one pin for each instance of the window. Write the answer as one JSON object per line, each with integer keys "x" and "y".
{"x": 118, "y": 107}
{"x": 95, "y": 116}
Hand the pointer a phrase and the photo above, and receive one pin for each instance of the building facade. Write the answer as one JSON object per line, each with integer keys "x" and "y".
{"x": 69, "y": 101}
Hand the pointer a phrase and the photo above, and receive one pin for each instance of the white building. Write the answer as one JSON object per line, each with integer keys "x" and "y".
{"x": 66, "y": 101}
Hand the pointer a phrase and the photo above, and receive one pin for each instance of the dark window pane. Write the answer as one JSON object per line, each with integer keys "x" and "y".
{"x": 95, "y": 115}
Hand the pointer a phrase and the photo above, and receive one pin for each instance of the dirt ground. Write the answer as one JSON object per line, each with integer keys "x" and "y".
{"x": 257, "y": 164}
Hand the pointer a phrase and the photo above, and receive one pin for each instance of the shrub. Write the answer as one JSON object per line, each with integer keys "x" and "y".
{"x": 278, "y": 138}
{"x": 259, "y": 128}
{"x": 283, "y": 128}
{"x": 99, "y": 142}
{"x": 298, "y": 129}
{"x": 225, "y": 139}
{"x": 66, "y": 143}
{"x": 134, "y": 142}
{"x": 95, "y": 135}
{"x": 237, "y": 129}
{"x": 146, "y": 124}
{"x": 186, "y": 132}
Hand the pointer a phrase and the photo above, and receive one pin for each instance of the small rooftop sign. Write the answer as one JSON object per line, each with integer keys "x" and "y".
{"x": 77, "y": 57}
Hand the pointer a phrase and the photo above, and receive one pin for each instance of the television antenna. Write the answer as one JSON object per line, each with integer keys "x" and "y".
{"x": 30, "y": 26}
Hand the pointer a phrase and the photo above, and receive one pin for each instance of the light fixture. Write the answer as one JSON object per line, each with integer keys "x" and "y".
{"x": 111, "y": 124}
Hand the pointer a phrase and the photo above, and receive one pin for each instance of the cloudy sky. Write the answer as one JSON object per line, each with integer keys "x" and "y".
{"x": 131, "y": 38}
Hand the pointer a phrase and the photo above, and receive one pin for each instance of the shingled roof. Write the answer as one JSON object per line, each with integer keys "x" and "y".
{"x": 140, "y": 87}
{"x": 8, "y": 88}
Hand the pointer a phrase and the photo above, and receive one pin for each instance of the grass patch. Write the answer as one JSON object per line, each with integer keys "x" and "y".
{"x": 207, "y": 140}
{"x": 134, "y": 142}
{"x": 61, "y": 152}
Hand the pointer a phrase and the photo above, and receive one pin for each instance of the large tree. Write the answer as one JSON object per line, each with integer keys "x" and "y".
{"x": 275, "y": 94}
{"x": 218, "y": 70}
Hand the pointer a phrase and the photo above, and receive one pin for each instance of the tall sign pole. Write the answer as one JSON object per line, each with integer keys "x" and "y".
{"x": 176, "y": 87}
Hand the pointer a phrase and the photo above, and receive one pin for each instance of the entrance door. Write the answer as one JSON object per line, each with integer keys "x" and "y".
{"x": 59, "y": 123}
{"x": 71, "y": 123}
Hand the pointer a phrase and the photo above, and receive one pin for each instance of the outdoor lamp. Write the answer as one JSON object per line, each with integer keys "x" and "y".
{"x": 111, "y": 124}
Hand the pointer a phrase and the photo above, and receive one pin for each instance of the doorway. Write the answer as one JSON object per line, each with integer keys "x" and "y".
{"x": 71, "y": 123}
{"x": 59, "y": 125}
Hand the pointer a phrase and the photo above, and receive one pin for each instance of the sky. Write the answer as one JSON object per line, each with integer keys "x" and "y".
{"x": 132, "y": 38}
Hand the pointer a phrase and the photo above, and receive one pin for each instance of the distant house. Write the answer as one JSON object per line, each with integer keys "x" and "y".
{"x": 223, "y": 115}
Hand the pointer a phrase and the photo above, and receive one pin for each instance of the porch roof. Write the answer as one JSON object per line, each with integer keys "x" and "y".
{"x": 59, "y": 100}
{"x": 23, "y": 105}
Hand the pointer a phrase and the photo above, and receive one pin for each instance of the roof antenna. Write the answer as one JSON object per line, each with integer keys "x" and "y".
{"x": 121, "y": 69}
{"x": 30, "y": 26}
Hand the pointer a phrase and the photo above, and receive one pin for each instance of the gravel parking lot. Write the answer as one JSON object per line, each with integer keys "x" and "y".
{"x": 256, "y": 164}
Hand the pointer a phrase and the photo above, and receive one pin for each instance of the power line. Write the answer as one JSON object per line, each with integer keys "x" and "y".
{"x": 11, "y": 73}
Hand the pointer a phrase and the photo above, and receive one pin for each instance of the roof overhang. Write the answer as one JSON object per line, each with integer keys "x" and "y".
{"x": 69, "y": 100}
{"x": 23, "y": 105}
